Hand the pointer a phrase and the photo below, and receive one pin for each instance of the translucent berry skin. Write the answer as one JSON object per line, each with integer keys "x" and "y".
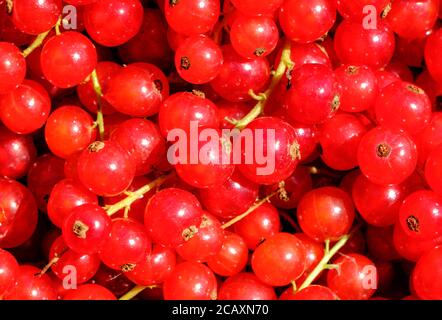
{"x": 312, "y": 292}
{"x": 68, "y": 130}
{"x": 86, "y": 228}
{"x": 315, "y": 83}
{"x": 105, "y": 168}
{"x": 159, "y": 78}
{"x": 231, "y": 198}
{"x": 105, "y": 70}
{"x": 67, "y": 59}
{"x": 9, "y": 270}
{"x": 433, "y": 170}
{"x": 325, "y": 213}
{"x": 85, "y": 265}
{"x": 420, "y": 217}
{"x": 254, "y": 8}
{"x": 379, "y": 204}
{"x": 35, "y": 17}
{"x": 306, "y": 20}
{"x": 180, "y": 109}
{"x": 198, "y": 59}
{"x": 190, "y": 281}
{"x": 90, "y": 292}
{"x": 387, "y": 156}
{"x": 261, "y": 224}
{"x": 170, "y": 215}
{"x": 26, "y": 108}
{"x": 113, "y": 22}
{"x": 429, "y": 138}
{"x": 142, "y": 138}
{"x": 314, "y": 252}
{"x": 412, "y": 112}
{"x": 238, "y": 75}
{"x": 432, "y": 58}
{"x": 136, "y": 85}
{"x": 245, "y": 286}
{"x": 354, "y": 9}
{"x": 192, "y": 16}
{"x": 154, "y": 268}
{"x": 31, "y": 286}
{"x": 206, "y": 242}
{"x": 12, "y": 67}
{"x": 278, "y": 139}
{"x": 65, "y": 196}
{"x": 426, "y": 276}
{"x": 358, "y": 87}
{"x": 125, "y": 246}
{"x": 232, "y": 258}
{"x": 279, "y": 260}
{"x": 17, "y": 154}
{"x": 19, "y": 214}
{"x": 339, "y": 138}
{"x": 355, "y": 279}
{"x": 411, "y": 20}
{"x": 254, "y": 37}
{"x": 358, "y": 46}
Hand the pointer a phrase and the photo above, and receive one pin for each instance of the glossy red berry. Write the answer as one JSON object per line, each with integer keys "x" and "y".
{"x": 354, "y": 279}
{"x": 172, "y": 217}
{"x": 35, "y": 17}
{"x": 67, "y": 59}
{"x": 17, "y": 154}
{"x": 198, "y": 59}
{"x": 253, "y": 8}
{"x": 113, "y": 22}
{"x": 12, "y": 67}
{"x": 432, "y": 49}
{"x": 239, "y": 75}
{"x": 245, "y": 286}
{"x": 387, "y": 156}
{"x": 429, "y": 138}
{"x": 312, "y": 292}
{"x": 357, "y": 45}
{"x": 232, "y": 258}
{"x": 433, "y": 170}
{"x": 426, "y": 278}
{"x": 314, "y": 252}
{"x": 86, "y": 228}
{"x": 306, "y": 20}
{"x": 254, "y": 36}
{"x": 192, "y": 16}
{"x": 105, "y": 168}
{"x": 66, "y": 196}
{"x": 190, "y": 281}
{"x": 278, "y": 140}
{"x": 125, "y": 245}
{"x": 412, "y": 112}
{"x": 19, "y": 213}
{"x": 69, "y": 130}
{"x": 9, "y": 271}
{"x": 90, "y": 292}
{"x": 325, "y": 213}
{"x": 26, "y": 108}
{"x": 29, "y": 285}
{"x": 358, "y": 87}
{"x": 354, "y": 9}
{"x": 315, "y": 83}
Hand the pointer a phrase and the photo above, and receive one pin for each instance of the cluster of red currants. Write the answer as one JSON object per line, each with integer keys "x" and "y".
{"x": 91, "y": 207}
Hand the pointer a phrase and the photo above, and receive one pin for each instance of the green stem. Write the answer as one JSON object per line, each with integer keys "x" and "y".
{"x": 99, "y": 92}
{"x": 133, "y": 293}
{"x": 263, "y": 97}
{"x": 35, "y": 44}
{"x": 323, "y": 264}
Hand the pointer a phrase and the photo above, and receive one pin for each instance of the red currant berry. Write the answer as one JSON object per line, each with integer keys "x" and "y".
{"x": 36, "y": 16}
{"x": 245, "y": 286}
{"x": 426, "y": 279}
{"x": 9, "y": 270}
{"x": 326, "y": 213}
{"x": 432, "y": 50}
{"x": 254, "y": 8}
{"x": 90, "y": 292}
{"x": 433, "y": 169}
{"x": 354, "y": 9}
{"x": 312, "y": 292}
{"x": 12, "y": 67}
{"x": 429, "y": 138}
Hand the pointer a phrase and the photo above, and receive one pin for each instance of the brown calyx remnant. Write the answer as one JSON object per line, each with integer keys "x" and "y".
{"x": 199, "y": 93}
{"x": 95, "y": 146}
{"x": 128, "y": 267}
{"x": 415, "y": 89}
{"x": 188, "y": 233}
{"x": 383, "y": 150}
{"x": 413, "y": 223}
{"x": 185, "y": 63}
{"x": 158, "y": 85}
{"x": 336, "y": 103}
{"x": 386, "y": 11}
{"x": 352, "y": 70}
{"x": 259, "y": 52}
{"x": 173, "y": 3}
{"x": 282, "y": 192}
{"x": 80, "y": 229}
{"x": 295, "y": 151}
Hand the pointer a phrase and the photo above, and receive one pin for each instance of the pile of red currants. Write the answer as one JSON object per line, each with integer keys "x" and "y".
{"x": 341, "y": 96}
